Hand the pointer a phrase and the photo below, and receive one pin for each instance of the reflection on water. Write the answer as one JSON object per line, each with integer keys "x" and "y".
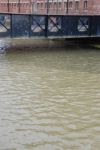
{"x": 50, "y": 100}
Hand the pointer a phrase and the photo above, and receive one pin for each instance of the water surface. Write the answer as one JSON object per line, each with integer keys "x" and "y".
{"x": 50, "y": 99}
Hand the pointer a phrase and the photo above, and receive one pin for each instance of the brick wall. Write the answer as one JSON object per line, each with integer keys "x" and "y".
{"x": 76, "y": 7}
{"x": 15, "y": 7}
{"x": 71, "y": 7}
{"x": 96, "y": 7}
{"x": 3, "y": 5}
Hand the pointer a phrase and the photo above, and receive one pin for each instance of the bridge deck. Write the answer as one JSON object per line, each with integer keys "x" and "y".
{"x": 51, "y": 26}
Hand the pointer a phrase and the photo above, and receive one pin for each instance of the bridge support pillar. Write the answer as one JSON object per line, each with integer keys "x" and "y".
{"x": 46, "y": 26}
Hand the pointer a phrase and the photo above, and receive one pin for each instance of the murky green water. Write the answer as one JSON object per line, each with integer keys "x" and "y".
{"x": 50, "y": 99}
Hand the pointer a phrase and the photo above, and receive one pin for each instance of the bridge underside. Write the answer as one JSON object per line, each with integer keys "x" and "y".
{"x": 56, "y": 26}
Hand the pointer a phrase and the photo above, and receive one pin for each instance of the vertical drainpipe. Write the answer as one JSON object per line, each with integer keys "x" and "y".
{"x": 30, "y": 5}
{"x": 67, "y": 11}
{"x": 47, "y": 7}
{"x": 18, "y": 6}
{"x": 57, "y": 7}
{"x": 62, "y": 7}
{"x": 8, "y": 6}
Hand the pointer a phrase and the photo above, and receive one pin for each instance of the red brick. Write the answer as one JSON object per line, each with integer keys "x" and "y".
{"x": 26, "y": 6}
